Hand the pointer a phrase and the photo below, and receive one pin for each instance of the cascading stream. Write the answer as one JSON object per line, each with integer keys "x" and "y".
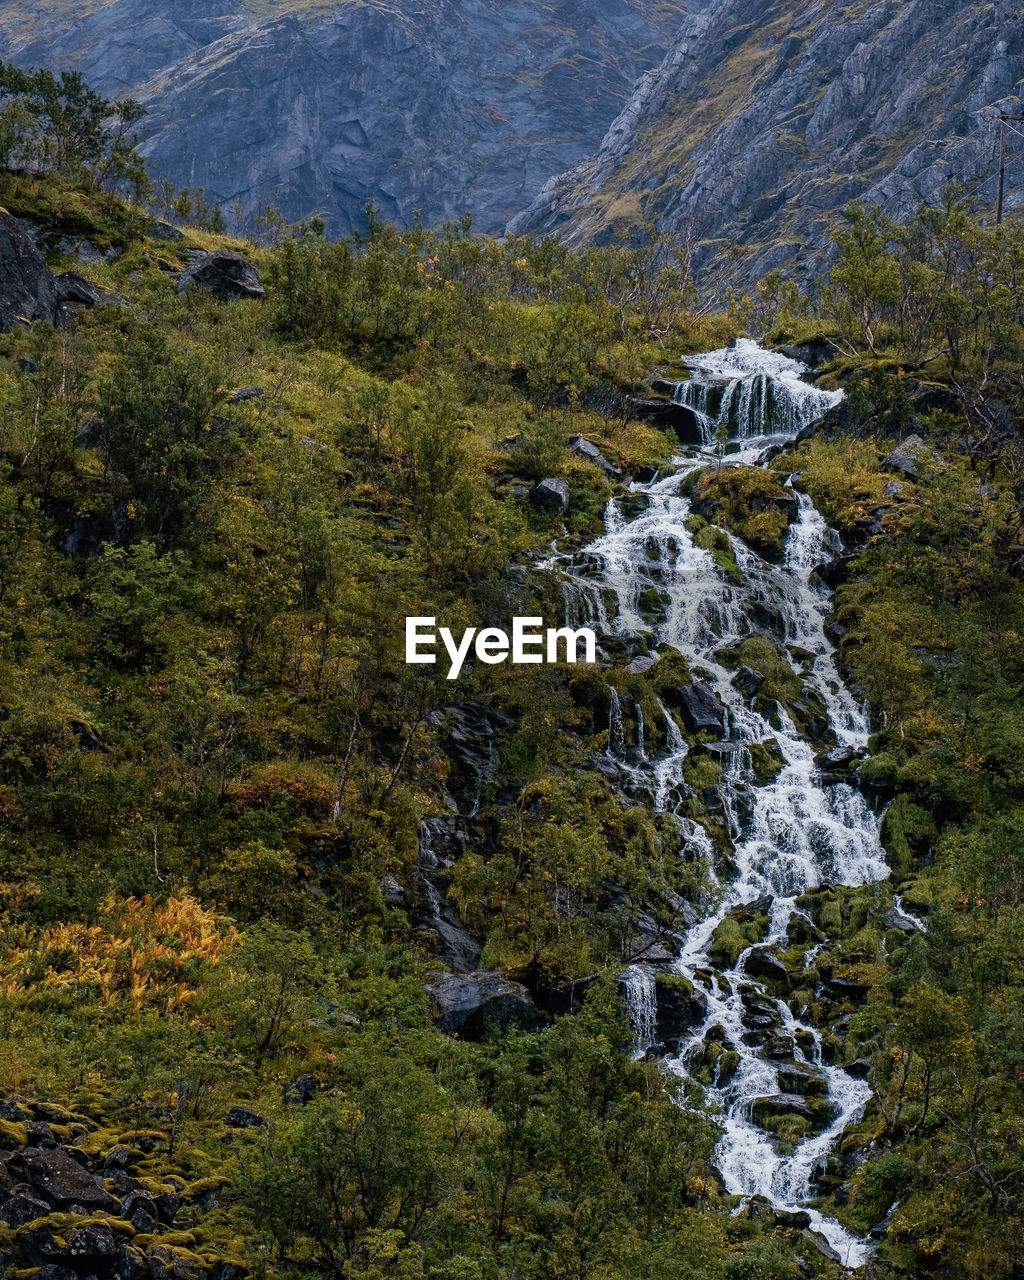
{"x": 790, "y": 835}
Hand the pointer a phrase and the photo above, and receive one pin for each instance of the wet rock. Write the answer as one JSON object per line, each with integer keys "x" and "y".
{"x": 906, "y": 457}
{"x": 680, "y": 1007}
{"x": 225, "y": 275}
{"x": 767, "y": 760}
{"x": 700, "y": 708}
{"x": 834, "y": 573}
{"x": 748, "y": 681}
{"x": 645, "y": 475}
{"x": 860, "y": 1068}
{"x": 471, "y": 1004}
{"x": 587, "y": 449}
{"x": 803, "y": 932}
{"x": 802, "y": 1080}
{"x": 762, "y": 963}
{"x": 60, "y": 1180}
{"x": 792, "y": 1219}
{"x": 896, "y": 919}
{"x": 839, "y": 763}
{"x": 241, "y": 1118}
{"x": 551, "y": 496}
{"x": 821, "y": 1244}
{"x": 848, "y": 987}
{"x": 780, "y": 1104}
{"x": 27, "y": 289}
{"x": 779, "y": 1048}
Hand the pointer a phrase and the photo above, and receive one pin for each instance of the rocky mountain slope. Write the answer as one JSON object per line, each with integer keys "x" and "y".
{"x": 764, "y": 120}
{"x": 321, "y": 107}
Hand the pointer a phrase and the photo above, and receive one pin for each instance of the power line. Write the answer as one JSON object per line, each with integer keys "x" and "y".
{"x": 1003, "y": 119}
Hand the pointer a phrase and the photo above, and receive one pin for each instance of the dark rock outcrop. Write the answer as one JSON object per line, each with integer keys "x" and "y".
{"x": 700, "y": 708}
{"x": 60, "y": 1180}
{"x": 471, "y": 1004}
{"x": 225, "y": 275}
{"x": 27, "y": 289}
{"x": 551, "y": 496}
{"x": 905, "y": 458}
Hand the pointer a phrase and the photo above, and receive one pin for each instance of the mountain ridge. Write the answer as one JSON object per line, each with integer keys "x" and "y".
{"x": 754, "y": 130}
{"x": 320, "y": 109}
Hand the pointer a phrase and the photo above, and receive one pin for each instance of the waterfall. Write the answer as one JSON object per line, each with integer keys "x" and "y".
{"x": 757, "y": 395}
{"x": 787, "y": 836}
{"x": 640, "y": 994}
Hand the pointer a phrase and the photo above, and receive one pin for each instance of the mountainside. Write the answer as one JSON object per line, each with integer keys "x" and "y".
{"x": 319, "y": 108}
{"x": 765, "y": 119}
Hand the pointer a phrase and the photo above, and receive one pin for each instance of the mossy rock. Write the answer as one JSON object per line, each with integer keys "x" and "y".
{"x": 728, "y": 1065}
{"x": 711, "y": 538}
{"x": 733, "y": 937}
{"x": 767, "y": 761}
{"x": 13, "y": 1135}
{"x": 701, "y": 770}
{"x": 908, "y": 833}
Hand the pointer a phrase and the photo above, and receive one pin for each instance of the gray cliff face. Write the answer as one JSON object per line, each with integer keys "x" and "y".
{"x": 441, "y": 106}
{"x": 765, "y": 119}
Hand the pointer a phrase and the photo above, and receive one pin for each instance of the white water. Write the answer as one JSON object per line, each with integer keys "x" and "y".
{"x": 788, "y": 836}
{"x": 641, "y": 1005}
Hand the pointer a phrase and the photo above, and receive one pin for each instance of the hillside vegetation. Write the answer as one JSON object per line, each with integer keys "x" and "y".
{"x": 218, "y": 970}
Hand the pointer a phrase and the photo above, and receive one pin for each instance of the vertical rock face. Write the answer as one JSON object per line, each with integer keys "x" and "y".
{"x": 27, "y": 288}
{"x": 763, "y": 120}
{"x": 446, "y": 107}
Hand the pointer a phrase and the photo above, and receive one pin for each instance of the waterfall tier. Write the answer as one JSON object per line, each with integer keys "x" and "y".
{"x": 644, "y": 582}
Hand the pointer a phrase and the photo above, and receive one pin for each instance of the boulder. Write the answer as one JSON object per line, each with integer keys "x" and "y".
{"x": 60, "y": 1179}
{"x": 23, "y": 1206}
{"x": 91, "y": 1246}
{"x": 241, "y": 1118}
{"x": 471, "y": 1004}
{"x": 587, "y": 449}
{"x": 780, "y": 1104}
{"x": 762, "y": 963}
{"x": 301, "y": 1091}
{"x": 245, "y": 393}
{"x": 225, "y": 275}
{"x": 701, "y": 709}
{"x": 165, "y": 231}
{"x": 904, "y": 458}
{"x": 27, "y": 290}
{"x": 73, "y": 290}
{"x": 748, "y": 681}
{"x": 893, "y": 488}
{"x": 792, "y": 1219}
{"x": 551, "y": 496}
{"x": 896, "y": 919}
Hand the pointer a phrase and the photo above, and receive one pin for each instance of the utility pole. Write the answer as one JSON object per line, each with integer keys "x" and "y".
{"x": 1002, "y": 118}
